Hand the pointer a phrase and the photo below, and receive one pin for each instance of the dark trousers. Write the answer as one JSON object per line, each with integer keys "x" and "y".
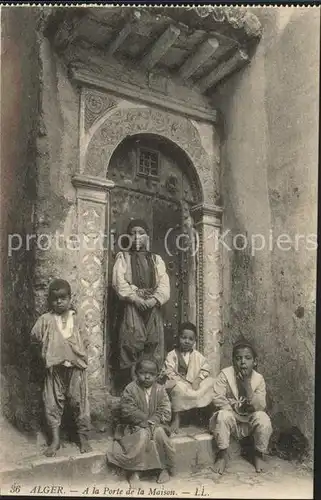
{"x": 66, "y": 385}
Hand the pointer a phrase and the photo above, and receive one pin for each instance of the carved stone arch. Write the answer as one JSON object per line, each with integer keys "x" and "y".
{"x": 121, "y": 122}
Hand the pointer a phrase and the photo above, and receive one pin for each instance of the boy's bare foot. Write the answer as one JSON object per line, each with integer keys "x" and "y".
{"x": 52, "y": 449}
{"x": 220, "y": 462}
{"x": 163, "y": 476}
{"x": 175, "y": 423}
{"x": 55, "y": 443}
{"x": 84, "y": 445}
{"x": 134, "y": 480}
{"x": 259, "y": 462}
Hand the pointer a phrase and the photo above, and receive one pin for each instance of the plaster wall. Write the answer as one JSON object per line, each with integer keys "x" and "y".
{"x": 269, "y": 187}
{"x": 19, "y": 125}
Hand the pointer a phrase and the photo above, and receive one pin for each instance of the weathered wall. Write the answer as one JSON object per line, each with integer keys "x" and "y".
{"x": 269, "y": 184}
{"x": 19, "y": 105}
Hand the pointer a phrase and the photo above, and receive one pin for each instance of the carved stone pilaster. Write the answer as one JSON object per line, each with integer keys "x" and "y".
{"x": 208, "y": 221}
{"x": 92, "y": 207}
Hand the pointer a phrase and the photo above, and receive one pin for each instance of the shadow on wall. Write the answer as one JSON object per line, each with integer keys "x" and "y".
{"x": 287, "y": 441}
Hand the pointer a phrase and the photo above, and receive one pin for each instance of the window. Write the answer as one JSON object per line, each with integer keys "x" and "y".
{"x": 148, "y": 163}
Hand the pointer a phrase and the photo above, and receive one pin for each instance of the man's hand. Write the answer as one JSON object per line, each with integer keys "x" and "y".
{"x": 196, "y": 384}
{"x": 151, "y": 302}
{"x": 144, "y": 424}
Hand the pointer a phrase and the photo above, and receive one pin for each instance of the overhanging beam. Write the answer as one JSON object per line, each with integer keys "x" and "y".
{"x": 160, "y": 47}
{"x": 193, "y": 63}
{"x": 239, "y": 59}
{"x": 123, "y": 34}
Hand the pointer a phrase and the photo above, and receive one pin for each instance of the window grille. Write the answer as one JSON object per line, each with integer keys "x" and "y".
{"x": 148, "y": 163}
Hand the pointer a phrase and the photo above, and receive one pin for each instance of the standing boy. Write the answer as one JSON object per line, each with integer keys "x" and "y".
{"x": 240, "y": 397}
{"x": 64, "y": 343}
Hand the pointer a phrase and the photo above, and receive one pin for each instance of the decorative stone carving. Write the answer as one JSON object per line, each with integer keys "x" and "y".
{"x": 96, "y": 104}
{"x": 91, "y": 221}
{"x": 209, "y": 281}
{"x": 130, "y": 121}
{"x": 92, "y": 197}
{"x": 239, "y": 18}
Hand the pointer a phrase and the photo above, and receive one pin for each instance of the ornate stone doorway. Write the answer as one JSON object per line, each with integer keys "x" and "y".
{"x": 154, "y": 180}
{"x": 186, "y": 151}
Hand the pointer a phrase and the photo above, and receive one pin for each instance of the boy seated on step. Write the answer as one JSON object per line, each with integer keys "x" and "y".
{"x": 240, "y": 397}
{"x": 141, "y": 440}
{"x": 63, "y": 340}
{"x": 188, "y": 375}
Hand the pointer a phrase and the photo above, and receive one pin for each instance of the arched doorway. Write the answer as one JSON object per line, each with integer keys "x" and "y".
{"x": 155, "y": 180}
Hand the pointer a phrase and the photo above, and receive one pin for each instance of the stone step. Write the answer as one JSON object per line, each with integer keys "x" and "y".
{"x": 194, "y": 452}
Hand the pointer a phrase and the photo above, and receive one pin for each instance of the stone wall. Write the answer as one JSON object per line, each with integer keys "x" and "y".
{"x": 19, "y": 124}
{"x": 269, "y": 185}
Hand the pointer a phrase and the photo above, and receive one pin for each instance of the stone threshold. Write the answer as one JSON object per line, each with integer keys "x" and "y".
{"x": 194, "y": 451}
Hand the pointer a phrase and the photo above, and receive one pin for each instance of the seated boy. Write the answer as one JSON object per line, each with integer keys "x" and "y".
{"x": 188, "y": 375}
{"x": 141, "y": 440}
{"x": 240, "y": 396}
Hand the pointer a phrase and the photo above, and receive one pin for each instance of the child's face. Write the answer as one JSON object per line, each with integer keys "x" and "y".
{"x": 244, "y": 361}
{"x": 186, "y": 340}
{"x": 147, "y": 374}
{"x": 60, "y": 301}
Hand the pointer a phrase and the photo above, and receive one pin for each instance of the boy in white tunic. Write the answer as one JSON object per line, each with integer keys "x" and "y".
{"x": 188, "y": 375}
{"x": 240, "y": 397}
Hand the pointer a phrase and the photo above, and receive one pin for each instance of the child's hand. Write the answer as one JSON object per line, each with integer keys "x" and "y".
{"x": 170, "y": 384}
{"x": 144, "y": 424}
{"x": 196, "y": 384}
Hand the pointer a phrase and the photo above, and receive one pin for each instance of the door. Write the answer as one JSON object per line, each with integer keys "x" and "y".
{"x": 150, "y": 184}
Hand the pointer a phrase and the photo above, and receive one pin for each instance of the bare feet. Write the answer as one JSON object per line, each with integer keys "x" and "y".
{"x": 220, "y": 462}
{"x": 55, "y": 443}
{"x": 175, "y": 423}
{"x": 84, "y": 445}
{"x": 134, "y": 480}
{"x": 52, "y": 449}
{"x": 163, "y": 476}
{"x": 259, "y": 462}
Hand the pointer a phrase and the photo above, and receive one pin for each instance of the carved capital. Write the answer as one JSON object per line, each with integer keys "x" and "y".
{"x": 210, "y": 215}
{"x": 92, "y": 188}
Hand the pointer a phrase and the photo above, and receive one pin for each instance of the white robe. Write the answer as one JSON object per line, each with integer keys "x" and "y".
{"x": 122, "y": 278}
{"x": 183, "y": 396}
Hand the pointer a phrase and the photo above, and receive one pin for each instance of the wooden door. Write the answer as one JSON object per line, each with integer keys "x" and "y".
{"x": 156, "y": 198}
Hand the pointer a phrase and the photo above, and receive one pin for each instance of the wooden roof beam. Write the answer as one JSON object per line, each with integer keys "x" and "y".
{"x": 240, "y": 58}
{"x": 160, "y": 47}
{"x": 196, "y": 61}
{"x": 123, "y": 34}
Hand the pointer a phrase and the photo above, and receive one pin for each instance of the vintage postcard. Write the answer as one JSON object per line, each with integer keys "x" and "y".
{"x": 159, "y": 178}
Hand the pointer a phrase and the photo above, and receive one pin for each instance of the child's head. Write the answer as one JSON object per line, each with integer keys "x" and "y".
{"x": 244, "y": 356}
{"x": 59, "y": 296}
{"x": 146, "y": 371}
{"x": 187, "y": 336}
